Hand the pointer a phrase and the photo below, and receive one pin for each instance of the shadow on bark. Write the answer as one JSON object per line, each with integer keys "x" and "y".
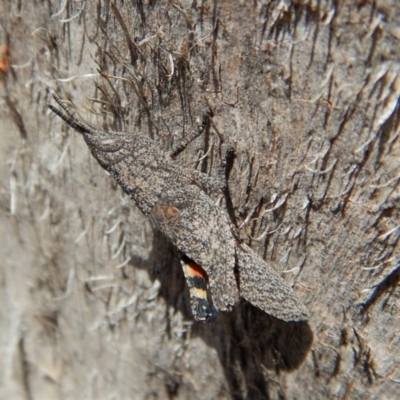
{"x": 248, "y": 341}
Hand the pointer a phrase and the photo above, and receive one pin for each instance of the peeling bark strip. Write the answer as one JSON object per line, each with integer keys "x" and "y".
{"x": 175, "y": 199}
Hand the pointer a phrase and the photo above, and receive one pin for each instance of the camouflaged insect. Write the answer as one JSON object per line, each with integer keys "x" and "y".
{"x": 175, "y": 199}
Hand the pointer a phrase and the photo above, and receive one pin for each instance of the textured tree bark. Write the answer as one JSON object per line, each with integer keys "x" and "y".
{"x": 94, "y": 300}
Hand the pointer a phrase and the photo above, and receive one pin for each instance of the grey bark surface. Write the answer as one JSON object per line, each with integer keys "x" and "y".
{"x": 94, "y": 303}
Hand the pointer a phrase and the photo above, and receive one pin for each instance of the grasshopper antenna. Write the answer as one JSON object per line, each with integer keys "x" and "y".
{"x": 69, "y": 117}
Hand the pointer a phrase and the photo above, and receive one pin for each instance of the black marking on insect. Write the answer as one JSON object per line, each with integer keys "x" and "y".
{"x": 176, "y": 201}
{"x": 196, "y": 279}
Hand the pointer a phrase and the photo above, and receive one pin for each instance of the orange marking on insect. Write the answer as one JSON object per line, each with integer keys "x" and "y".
{"x": 171, "y": 212}
{"x": 195, "y": 270}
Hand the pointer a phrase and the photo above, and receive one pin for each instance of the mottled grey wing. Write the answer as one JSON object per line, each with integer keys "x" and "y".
{"x": 261, "y": 285}
{"x": 201, "y": 231}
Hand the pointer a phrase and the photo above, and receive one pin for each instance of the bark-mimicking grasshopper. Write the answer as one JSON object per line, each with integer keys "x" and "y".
{"x": 175, "y": 199}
